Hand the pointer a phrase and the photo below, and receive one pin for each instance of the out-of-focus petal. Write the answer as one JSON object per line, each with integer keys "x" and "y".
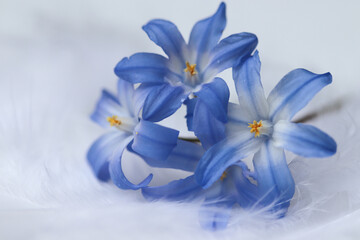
{"x": 294, "y": 91}
{"x": 167, "y": 36}
{"x": 304, "y": 140}
{"x": 229, "y": 52}
{"x": 215, "y": 95}
{"x": 274, "y": 180}
{"x": 225, "y": 153}
{"x": 207, "y": 32}
{"x": 101, "y": 152}
{"x": 162, "y": 102}
{"x": 154, "y": 141}
{"x": 178, "y": 190}
{"x": 215, "y": 212}
{"x": 107, "y": 106}
{"x": 250, "y": 90}
{"x": 142, "y": 67}
{"x": 116, "y": 173}
{"x": 185, "y": 156}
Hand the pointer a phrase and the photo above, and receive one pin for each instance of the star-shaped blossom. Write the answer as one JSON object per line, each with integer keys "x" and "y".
{"x": 262, "y": 126}
{"x": 256, "y": 126}
{"x": 188, "y": 67}
{"x": 159, "y": 146}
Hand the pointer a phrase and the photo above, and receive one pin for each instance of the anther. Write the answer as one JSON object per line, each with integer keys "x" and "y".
{"x": 190, "y": 68}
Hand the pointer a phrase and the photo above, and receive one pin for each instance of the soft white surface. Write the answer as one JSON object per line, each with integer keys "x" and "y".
{"x": 55, "y": 56}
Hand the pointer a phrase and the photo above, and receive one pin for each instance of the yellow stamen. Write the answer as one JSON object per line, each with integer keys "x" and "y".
{"x": 190, "y": 68}
{"x": 223, "y": 176}
{"x": 255, "y": 127}
{"x": 114, "y": 121}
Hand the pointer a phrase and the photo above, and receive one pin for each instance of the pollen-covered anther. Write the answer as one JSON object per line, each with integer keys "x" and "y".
{"x": 223, "y": 176}
{"x": 114, "y": 121}
{"x": 190, "y": 68}
{"x": 255, "y": 127}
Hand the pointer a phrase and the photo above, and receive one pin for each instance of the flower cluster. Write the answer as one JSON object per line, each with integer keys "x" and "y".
{"x": 257, "y": 126}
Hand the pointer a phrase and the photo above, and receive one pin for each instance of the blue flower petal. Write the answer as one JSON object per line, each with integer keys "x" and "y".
{"x": 304, "y": 140}
{"x": 167, "y": 36}
{"x": 101, "y": 151}
{"x": 215, "y": 95}
{"x": 229, "y": 52}
{"x": 178, "y": 190}
{"x": 141, "y": 93}
{"x": 207, "y": 32}
{"x": 238, "y": 120}
{"x": 154, "y": 141}
{"x": 142, "y": 67}
{"x": 215, "y": 212}
{"x": 185, "y": 156}
{"x": 126, "y": 95}
{"x": 225, "y": 153}
{"x": 247, "y": 193}
{"x": 294, "y": 91}
{"x": 162, "y": 102}
{"x": 274, "y": 180}
{"x": 206, "y": 127}
{"x": 250, "y": 90}
{"x": 190, "y": 107}
{"x": 107, "y": 106}
{"x": 116, "y": 173}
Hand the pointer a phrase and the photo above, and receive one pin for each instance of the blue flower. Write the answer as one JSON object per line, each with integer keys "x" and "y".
{"x": 233, "y": 187}
{"x": 159, "y": 146}
{"x": 256, "y": 126}
{"x": 188, "y": 66}
{"x": 262, "y": 126}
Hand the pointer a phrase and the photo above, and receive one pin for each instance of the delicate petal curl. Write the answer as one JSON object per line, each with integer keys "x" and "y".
{"x": 101, "y": 152}
{"x": 294, "y": 91}
{"x": 167, "y": 36}
{"x": 116, "y": 173}
{"x": 229, "y": 52}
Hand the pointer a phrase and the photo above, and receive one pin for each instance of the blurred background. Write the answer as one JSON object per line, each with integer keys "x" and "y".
{"x": 79, "y": 42}
{"x": 56, "y": 56}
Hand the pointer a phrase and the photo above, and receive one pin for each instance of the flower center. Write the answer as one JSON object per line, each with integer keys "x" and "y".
{"x": 223, "y": 176}
{"x": 255, "y": 127}
{"x": 190, "y": 68}
{"x": 114, "y": 121}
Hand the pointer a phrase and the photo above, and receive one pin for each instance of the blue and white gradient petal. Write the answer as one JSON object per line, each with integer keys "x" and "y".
{"x": 266, "y": 131}
{"x": 188, "y": 66}
{"x": 121, "y": 114}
